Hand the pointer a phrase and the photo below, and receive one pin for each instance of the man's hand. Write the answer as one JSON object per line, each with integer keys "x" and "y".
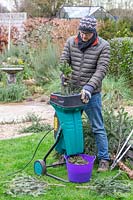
{"x": 64, "y": 79}
{"x": 85, "y": 96}
{"x": 86, "y": 93}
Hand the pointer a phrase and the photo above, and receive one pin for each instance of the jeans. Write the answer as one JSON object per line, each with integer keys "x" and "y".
{"x": 93, "y": 109}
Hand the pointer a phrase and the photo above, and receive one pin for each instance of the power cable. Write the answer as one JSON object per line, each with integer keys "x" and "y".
{"x": 32, "y": 156}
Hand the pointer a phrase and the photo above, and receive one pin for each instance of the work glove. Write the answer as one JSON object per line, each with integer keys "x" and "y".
{"x": 85, "y": 96}
{"x": 86, "y": 93}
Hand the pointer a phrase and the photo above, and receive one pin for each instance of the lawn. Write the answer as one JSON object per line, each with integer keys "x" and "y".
{"x": 16, "y": 153}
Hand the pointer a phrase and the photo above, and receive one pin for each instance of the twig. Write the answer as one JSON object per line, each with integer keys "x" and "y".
{"x": 59, "y": 185}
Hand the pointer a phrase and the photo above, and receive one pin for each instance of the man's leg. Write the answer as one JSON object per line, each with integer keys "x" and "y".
{"x": 94, "y": 112}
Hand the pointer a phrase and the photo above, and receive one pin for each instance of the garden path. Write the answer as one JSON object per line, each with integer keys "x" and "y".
{"x": 13, "y": 116}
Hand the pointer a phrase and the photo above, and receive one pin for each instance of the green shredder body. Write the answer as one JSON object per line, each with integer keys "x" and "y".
{"x": 68, "y": 110}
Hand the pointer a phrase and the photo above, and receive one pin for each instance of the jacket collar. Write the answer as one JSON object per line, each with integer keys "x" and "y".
{"x": 94, "y": 43}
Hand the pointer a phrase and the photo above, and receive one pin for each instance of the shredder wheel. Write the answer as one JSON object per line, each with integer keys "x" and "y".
{"x": 39, "y": 167}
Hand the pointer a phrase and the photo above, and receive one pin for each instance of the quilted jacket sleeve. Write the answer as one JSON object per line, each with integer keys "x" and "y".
{"x": 102, "y": 67}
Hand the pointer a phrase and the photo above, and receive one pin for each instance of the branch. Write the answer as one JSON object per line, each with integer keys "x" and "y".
{"x": 126, "y": 169}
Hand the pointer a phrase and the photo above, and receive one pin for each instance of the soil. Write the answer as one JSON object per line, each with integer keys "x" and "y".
{"x": 14, "y": 116}
{"x": 77, "y": 160}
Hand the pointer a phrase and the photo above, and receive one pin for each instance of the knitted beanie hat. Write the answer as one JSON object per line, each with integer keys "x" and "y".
{"x": 88, "y": 24}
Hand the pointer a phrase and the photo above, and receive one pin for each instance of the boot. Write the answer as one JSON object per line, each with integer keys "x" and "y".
{"x": 103, "y": 166}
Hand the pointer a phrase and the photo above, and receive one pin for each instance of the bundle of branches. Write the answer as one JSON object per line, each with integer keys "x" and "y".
{"x": 27, "y": 185}
{"x": 114, "y": 186}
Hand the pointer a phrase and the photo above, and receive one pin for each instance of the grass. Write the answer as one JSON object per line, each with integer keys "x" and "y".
{"x": 15, "y": 153}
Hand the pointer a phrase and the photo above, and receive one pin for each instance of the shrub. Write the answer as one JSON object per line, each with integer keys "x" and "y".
{"x": 44, "y": 61}
{"x": 36, "y": 30}
{"x": 13, "y": 93}
{"x": 22, "y": 53}
{"x": 106, "y": 29}
{"x": 118, "y": 126}
{"x": 89, "y": 140}
{"x": 121, "y": 59}
{"x": 109, "y": 29}
{"x": 36, "y": 125}
{"x": 115, "y": 91}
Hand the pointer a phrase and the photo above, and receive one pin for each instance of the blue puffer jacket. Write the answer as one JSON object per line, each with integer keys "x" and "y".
{"x": 88, "y": 67}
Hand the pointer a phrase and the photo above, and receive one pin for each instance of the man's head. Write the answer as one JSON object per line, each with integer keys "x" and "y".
{"x": 87, "y": 27}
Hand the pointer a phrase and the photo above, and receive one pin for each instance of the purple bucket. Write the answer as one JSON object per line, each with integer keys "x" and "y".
{"x": 80, "y": 173}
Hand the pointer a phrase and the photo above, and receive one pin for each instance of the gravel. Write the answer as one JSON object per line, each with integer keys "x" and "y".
{"x": 13, "y": 117}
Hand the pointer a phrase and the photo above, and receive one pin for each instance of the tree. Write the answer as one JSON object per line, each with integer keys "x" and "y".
{"x": 43, "y": 8}
{"x": 16, "y": 5}
{"x": 3, "y": 9}
{"x": 49, "y": 7}
{"x": 25, "y": 6}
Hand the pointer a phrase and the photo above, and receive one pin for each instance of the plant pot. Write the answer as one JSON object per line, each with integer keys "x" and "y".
{"x": 80, "y": 173}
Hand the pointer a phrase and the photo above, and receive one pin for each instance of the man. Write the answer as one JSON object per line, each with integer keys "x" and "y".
{"x": 88, "y": 55}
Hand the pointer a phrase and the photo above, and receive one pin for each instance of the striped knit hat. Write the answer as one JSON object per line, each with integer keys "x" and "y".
{"x": 88, "y": 24}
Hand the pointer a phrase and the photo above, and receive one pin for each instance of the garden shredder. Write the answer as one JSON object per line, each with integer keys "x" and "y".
{"x": 67, "y": 127}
